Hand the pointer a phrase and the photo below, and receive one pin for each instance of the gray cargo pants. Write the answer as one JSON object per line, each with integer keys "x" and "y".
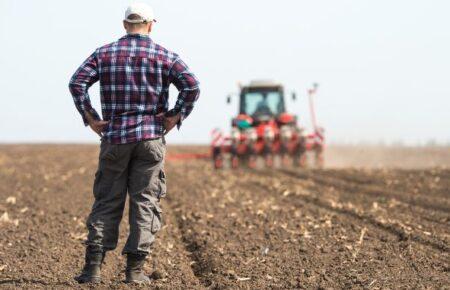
{"x": 135, "y": 168}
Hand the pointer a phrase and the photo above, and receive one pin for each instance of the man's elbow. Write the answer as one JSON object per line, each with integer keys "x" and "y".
{"x": 196, "y": 87}
{"x": 197, "y": 91}
{"x": 75, "y": 88}
{"x": 194, "y": 84}
{"x": 72, "y": 85}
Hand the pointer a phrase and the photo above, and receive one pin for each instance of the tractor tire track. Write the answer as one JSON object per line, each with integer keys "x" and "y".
{"x": 425, "y": 203}
{"x": 176, "y": 244}
{"x": 435, "y": 182}
{"x": 201, "y": 264}
{"x": 433, "y": 220}
{"x": 351, "y": 191}
{"x": 205, "y": 262}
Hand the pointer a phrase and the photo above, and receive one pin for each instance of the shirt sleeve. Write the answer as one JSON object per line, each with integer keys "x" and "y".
{"x": 82, "y": 79}
{"x": 188, "y": 86}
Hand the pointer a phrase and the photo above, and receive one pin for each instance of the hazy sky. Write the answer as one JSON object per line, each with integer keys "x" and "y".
{"x": 383, "y": 66}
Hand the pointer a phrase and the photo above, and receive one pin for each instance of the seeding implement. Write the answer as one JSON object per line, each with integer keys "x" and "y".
{"x": 264, "y": 129}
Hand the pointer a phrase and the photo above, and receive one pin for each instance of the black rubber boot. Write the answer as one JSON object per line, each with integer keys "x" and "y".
{"x": 92, "y": 267}
{"x": 134, "y": 272}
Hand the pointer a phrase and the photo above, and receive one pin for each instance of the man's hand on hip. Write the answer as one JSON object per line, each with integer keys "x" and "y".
{"x": 96, "y": 125}
{"x": 170, "y": 122}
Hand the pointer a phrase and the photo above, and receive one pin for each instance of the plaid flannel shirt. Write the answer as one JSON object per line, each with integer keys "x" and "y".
{"x": 135, "y": 74}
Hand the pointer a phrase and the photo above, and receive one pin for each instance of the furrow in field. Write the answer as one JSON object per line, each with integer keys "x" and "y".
{"x": 318, "y": 195}
{"x": 429, "y": 223}
{"x": 435, "y": 221}
{"x": 427, "y": 203}
{"x": 429, "y": 183}
{"x": 170, "y": 258}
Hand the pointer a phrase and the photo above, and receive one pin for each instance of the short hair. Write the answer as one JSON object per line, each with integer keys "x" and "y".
{"x": 135, "y": 17}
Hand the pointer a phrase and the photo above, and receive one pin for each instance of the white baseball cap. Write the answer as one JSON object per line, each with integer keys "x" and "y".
{"x": 141, "y": 9}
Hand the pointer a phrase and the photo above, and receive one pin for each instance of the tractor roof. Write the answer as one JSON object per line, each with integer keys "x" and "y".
{"x": 263, "y": 84}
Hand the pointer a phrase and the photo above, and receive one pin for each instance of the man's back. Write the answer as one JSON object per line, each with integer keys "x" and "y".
{"x": 135, "y": 74}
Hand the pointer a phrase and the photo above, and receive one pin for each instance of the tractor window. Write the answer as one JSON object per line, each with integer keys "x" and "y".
{"x": 273, "y": 99}
{"x": 263, "y": 103}
{"x": 252, "y": 102}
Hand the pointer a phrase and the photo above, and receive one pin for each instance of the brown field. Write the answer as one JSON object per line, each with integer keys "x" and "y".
{"x": 376, "y": 217}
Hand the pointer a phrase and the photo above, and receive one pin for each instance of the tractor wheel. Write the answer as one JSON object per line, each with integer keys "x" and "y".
{"x": 218, "y": 163}
{"x": 217, "y": 158}
{"x": 300, "y": 154}
{"x": 286, "y": 156}
{"x": 300, "y": 160}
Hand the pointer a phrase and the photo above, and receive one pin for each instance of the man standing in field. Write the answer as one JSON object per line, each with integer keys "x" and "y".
{"x": 135, "y": 74}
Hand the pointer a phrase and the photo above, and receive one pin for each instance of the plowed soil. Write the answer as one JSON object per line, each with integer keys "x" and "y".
{"x": 287, "y": 228}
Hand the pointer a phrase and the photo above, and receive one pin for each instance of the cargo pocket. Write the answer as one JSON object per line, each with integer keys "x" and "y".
{"x": 108, "y": 151}
{"x": 156, "y": 219}
{"x": 155, "y": 150}
{"x": 97, "y": 180}
{"x": 162, "y": 184}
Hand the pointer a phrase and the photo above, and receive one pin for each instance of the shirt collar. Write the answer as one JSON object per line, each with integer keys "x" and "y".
{"x": 137, "y": 35}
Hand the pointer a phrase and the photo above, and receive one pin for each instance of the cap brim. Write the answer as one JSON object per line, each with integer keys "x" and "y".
{"x": 138, "y": 21}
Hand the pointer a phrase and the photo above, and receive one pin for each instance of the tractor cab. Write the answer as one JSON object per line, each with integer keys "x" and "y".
{"x": 262, "y": 101}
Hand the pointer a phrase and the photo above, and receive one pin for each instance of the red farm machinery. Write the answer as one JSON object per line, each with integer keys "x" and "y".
{"x": 264, "y": 130}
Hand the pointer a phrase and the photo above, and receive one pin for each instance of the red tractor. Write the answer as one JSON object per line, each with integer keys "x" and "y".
{"x": 264, "y": 129}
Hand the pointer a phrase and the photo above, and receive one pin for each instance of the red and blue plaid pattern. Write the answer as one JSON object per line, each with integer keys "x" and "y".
{"x": 135, "y": 74}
